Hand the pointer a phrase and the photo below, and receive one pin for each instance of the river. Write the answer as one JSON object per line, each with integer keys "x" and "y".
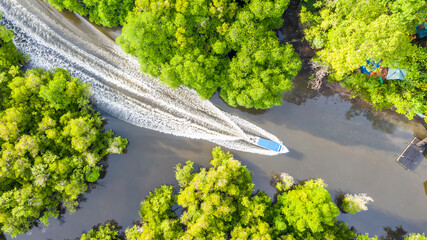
{"x": 348, "y": 145}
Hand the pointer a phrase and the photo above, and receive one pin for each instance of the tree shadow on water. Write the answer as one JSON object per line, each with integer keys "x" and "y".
{"x": 252, "y": 111}
{"x": 377, "y": 222}
{"x": 301, "y": 91}
{"x": 338, "y": 200}
{"x": 378, "y": 122}
{"x": 397, "y": 234}
{"x": 295, "y": 154}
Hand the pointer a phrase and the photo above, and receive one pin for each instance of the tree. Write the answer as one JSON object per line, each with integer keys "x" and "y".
{"x": 9, "y": 56}
{"x": 211, "y": 44}
{"x": 51, "y": 141}
{"x": 160, "y": 222}
{"x": 107, "y": 231}
{"x": 350, "y": 32}
{"x": 366, "y": 237}
{"x": 10, "y": 60}
{"x": 109, "y": 13}
{"x": 307, "y": 212}
{"x": 285, "y": 182}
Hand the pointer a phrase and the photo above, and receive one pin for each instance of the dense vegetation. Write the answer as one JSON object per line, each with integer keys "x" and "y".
{"x": 51, "y": 141}
{"x": 350, "y": 32}
{"x": 211, "y": 44}
{"x": 109, "y": 13}
{"x": 204, "y": 44}
{"x": 220, "y": 203}
{"x": 111, "y": 232}
{"x": 108, "y": 231}
{"x": 229, "y": 45}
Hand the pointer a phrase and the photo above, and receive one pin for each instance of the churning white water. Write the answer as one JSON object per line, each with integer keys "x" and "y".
{"x": 119, "y": 88}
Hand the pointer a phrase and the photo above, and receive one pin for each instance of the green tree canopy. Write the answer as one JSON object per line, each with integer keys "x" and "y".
{"x": 411, "y": 236}
{"x": 307, "y": 212}
{"x": 10, "y": 60}
{"x": 350, "y": 32}
{"x": 107, "y": 231}
{"x": 220, "y": 203}
{"x": 9, "y": 56}
{"x": 109, "y": 13}
{"x": 51, "y": 141}
{"x": 211, "y": 44}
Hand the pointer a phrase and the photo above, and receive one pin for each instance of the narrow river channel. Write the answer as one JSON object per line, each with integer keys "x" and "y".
{"x": 351, "y": 147}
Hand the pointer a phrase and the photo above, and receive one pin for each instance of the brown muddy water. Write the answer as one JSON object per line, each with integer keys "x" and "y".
{"x": 348, "y": 145}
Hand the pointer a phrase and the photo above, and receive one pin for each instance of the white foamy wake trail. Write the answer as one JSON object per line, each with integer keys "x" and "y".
{"x": 119, "y": 88}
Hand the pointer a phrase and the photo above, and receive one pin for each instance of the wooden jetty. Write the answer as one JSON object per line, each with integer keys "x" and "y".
{"x": 412, "y": 154}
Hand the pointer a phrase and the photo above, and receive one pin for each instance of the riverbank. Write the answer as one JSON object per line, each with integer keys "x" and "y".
{"x": 293, "y": 33}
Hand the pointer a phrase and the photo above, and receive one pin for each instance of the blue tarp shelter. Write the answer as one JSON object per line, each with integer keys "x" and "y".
{"x": 421, "y": 115}
{"x": 422, "y": 30}
{"x": 370, "y": 65}
{"x": 396, "y": 74}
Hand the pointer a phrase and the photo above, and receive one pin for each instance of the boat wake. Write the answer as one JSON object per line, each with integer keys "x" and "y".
{"x": 119, "y": 88}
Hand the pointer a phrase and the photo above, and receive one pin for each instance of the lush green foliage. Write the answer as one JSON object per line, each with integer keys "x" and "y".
{"x": 109, "y": 13}
{"x": 220, "y": 203}
{"x": 411, "y": 236}
{"x": 349, "y": 32}
{"x": 408, "y": 97}
{"x": 9, "y": 56}
{"x": 51, "y": 141}
{"x": 416, "y": 237}
{"x": 102, "y": 232}
{"x": 211, "y": 44}
{"x": 307, "y": 212}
